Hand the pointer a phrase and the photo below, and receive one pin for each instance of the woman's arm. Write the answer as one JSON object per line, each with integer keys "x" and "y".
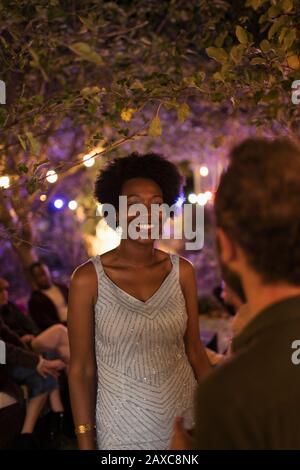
{"x": 82, "y": 367}
{"x": 193, "y": 345}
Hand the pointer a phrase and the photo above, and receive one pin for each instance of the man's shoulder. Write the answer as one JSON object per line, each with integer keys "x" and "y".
{"x": 36, "y": 295}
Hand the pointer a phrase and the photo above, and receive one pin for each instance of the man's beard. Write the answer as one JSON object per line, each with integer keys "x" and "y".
{"x": 233, "y": 280}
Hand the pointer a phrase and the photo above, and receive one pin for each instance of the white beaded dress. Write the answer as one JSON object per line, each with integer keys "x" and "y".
{"x": 144, "y": 377}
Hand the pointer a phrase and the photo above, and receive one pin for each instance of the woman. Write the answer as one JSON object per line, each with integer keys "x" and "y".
{"x": 136, "y": 355}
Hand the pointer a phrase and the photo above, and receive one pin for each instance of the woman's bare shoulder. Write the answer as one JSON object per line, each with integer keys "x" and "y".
{"x": 186, "y": 265}
{"x": 84, "y": 275}
{"x": 187, "y": 271}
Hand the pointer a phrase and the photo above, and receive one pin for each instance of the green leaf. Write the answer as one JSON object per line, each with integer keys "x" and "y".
{"x": 22, "y": 142}
{"x": 155, "y": 129}
{"x": 218, "y": 77}
{"x": 237, "y": 53}
{"x": 273, "y": 11}
{"x": 289, "y": 39}
{"x": 265, "y": 45}
{"x": 137, "y": 85}
{"x": 287, "y": 5}
{"x": 217, "y": 97}
{"x": 22, "y": 168}
{"x": 32, "y": 185}
{"x": 90, "y": 90}
{"x": 87, "y": 22}
{"x": 242, "y": 35}
{"x": 85, "y": 52}
{"x": 183, "y": 112}
{"x": 277, "y": 25}
{"x": 255, "y": 4}
{"x": 3, "y": 116}
{"x": 258, "y": 96}
{"x": 282, "y": 34}
{"x": 258, "y": 61}
{"x": 199, "y": 77}
{"x": 33, "y": 143}
{"x": 217, "y": 53}
{"x": 220, "y": 39}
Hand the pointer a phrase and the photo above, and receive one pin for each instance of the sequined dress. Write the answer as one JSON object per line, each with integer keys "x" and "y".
{"x": 144, "y": 376}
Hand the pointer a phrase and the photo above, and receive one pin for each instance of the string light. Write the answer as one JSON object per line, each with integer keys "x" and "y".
{"x": 73, "y": 205}
{"x": 209, "y": 195}
{"x": 192, "y": 198}
{"x": 4, "y": 182}
{"x": 201, "y": 199}
{"x": 88, "y": 160}
{"x": 43, "y": 197}
{"x": 58, "y": 204}
{"x": 51, "y": 176}
{"x": 204, "y": 171}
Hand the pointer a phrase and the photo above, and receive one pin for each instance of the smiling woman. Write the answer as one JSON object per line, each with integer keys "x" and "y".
{"x": 136, "y": 355}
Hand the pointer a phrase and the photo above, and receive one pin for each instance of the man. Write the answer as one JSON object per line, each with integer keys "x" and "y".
{"x": 48, "y": 304}
{"x": 252, "y": 400}
{"x": 12, "y": 316}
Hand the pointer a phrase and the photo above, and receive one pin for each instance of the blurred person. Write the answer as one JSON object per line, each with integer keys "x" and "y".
{"x": 38, "y": 374}
{"x": 48, "y": 304}
{"x": 12, "y": 409}
{"x": 53, "y": 339}
{"x": 251, "y": 401}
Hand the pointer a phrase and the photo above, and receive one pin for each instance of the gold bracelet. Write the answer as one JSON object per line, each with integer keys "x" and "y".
{"x": 83, "y": 428}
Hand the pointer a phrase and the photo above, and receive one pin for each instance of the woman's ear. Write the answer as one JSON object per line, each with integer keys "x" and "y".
{"x": 226, "y": 247}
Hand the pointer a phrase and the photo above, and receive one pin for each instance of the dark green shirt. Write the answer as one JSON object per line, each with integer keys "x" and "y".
{"x": 253, "y": 400}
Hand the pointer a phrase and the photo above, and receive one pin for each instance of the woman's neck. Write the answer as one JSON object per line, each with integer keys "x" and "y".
{"x": 135, "y": 252}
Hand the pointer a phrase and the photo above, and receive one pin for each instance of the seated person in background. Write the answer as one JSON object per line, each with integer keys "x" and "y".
{"x": 48, "y": 304}
{"x": 53, "y": 339}
{"x": 38, "y": 374}
{"x": 12, "y": 409}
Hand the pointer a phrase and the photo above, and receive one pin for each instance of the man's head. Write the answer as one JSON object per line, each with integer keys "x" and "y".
{"x": 257, "y": 209}
{"x": 41, "y": 275}
{"x": 3, "y": 291}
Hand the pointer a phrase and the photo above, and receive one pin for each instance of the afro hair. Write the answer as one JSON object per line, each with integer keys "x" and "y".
{"x": 152, "y": 166}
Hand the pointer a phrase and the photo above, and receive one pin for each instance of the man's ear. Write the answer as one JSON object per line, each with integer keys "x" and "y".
{"x": 227, "y": 248}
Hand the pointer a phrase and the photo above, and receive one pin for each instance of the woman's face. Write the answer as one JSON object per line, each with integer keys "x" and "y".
{"x": 147, "y": 193}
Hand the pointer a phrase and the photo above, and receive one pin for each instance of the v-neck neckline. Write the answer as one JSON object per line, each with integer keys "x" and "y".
{"x": 123, "y": 292}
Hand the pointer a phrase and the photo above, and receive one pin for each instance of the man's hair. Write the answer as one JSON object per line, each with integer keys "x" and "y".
{"x": 258, "y": 205}
{"x": 36, "y": 264}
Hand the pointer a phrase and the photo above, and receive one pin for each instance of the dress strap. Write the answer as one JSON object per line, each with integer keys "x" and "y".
{"x": 175, "y": 262}
{"x": 97, "y": 265}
